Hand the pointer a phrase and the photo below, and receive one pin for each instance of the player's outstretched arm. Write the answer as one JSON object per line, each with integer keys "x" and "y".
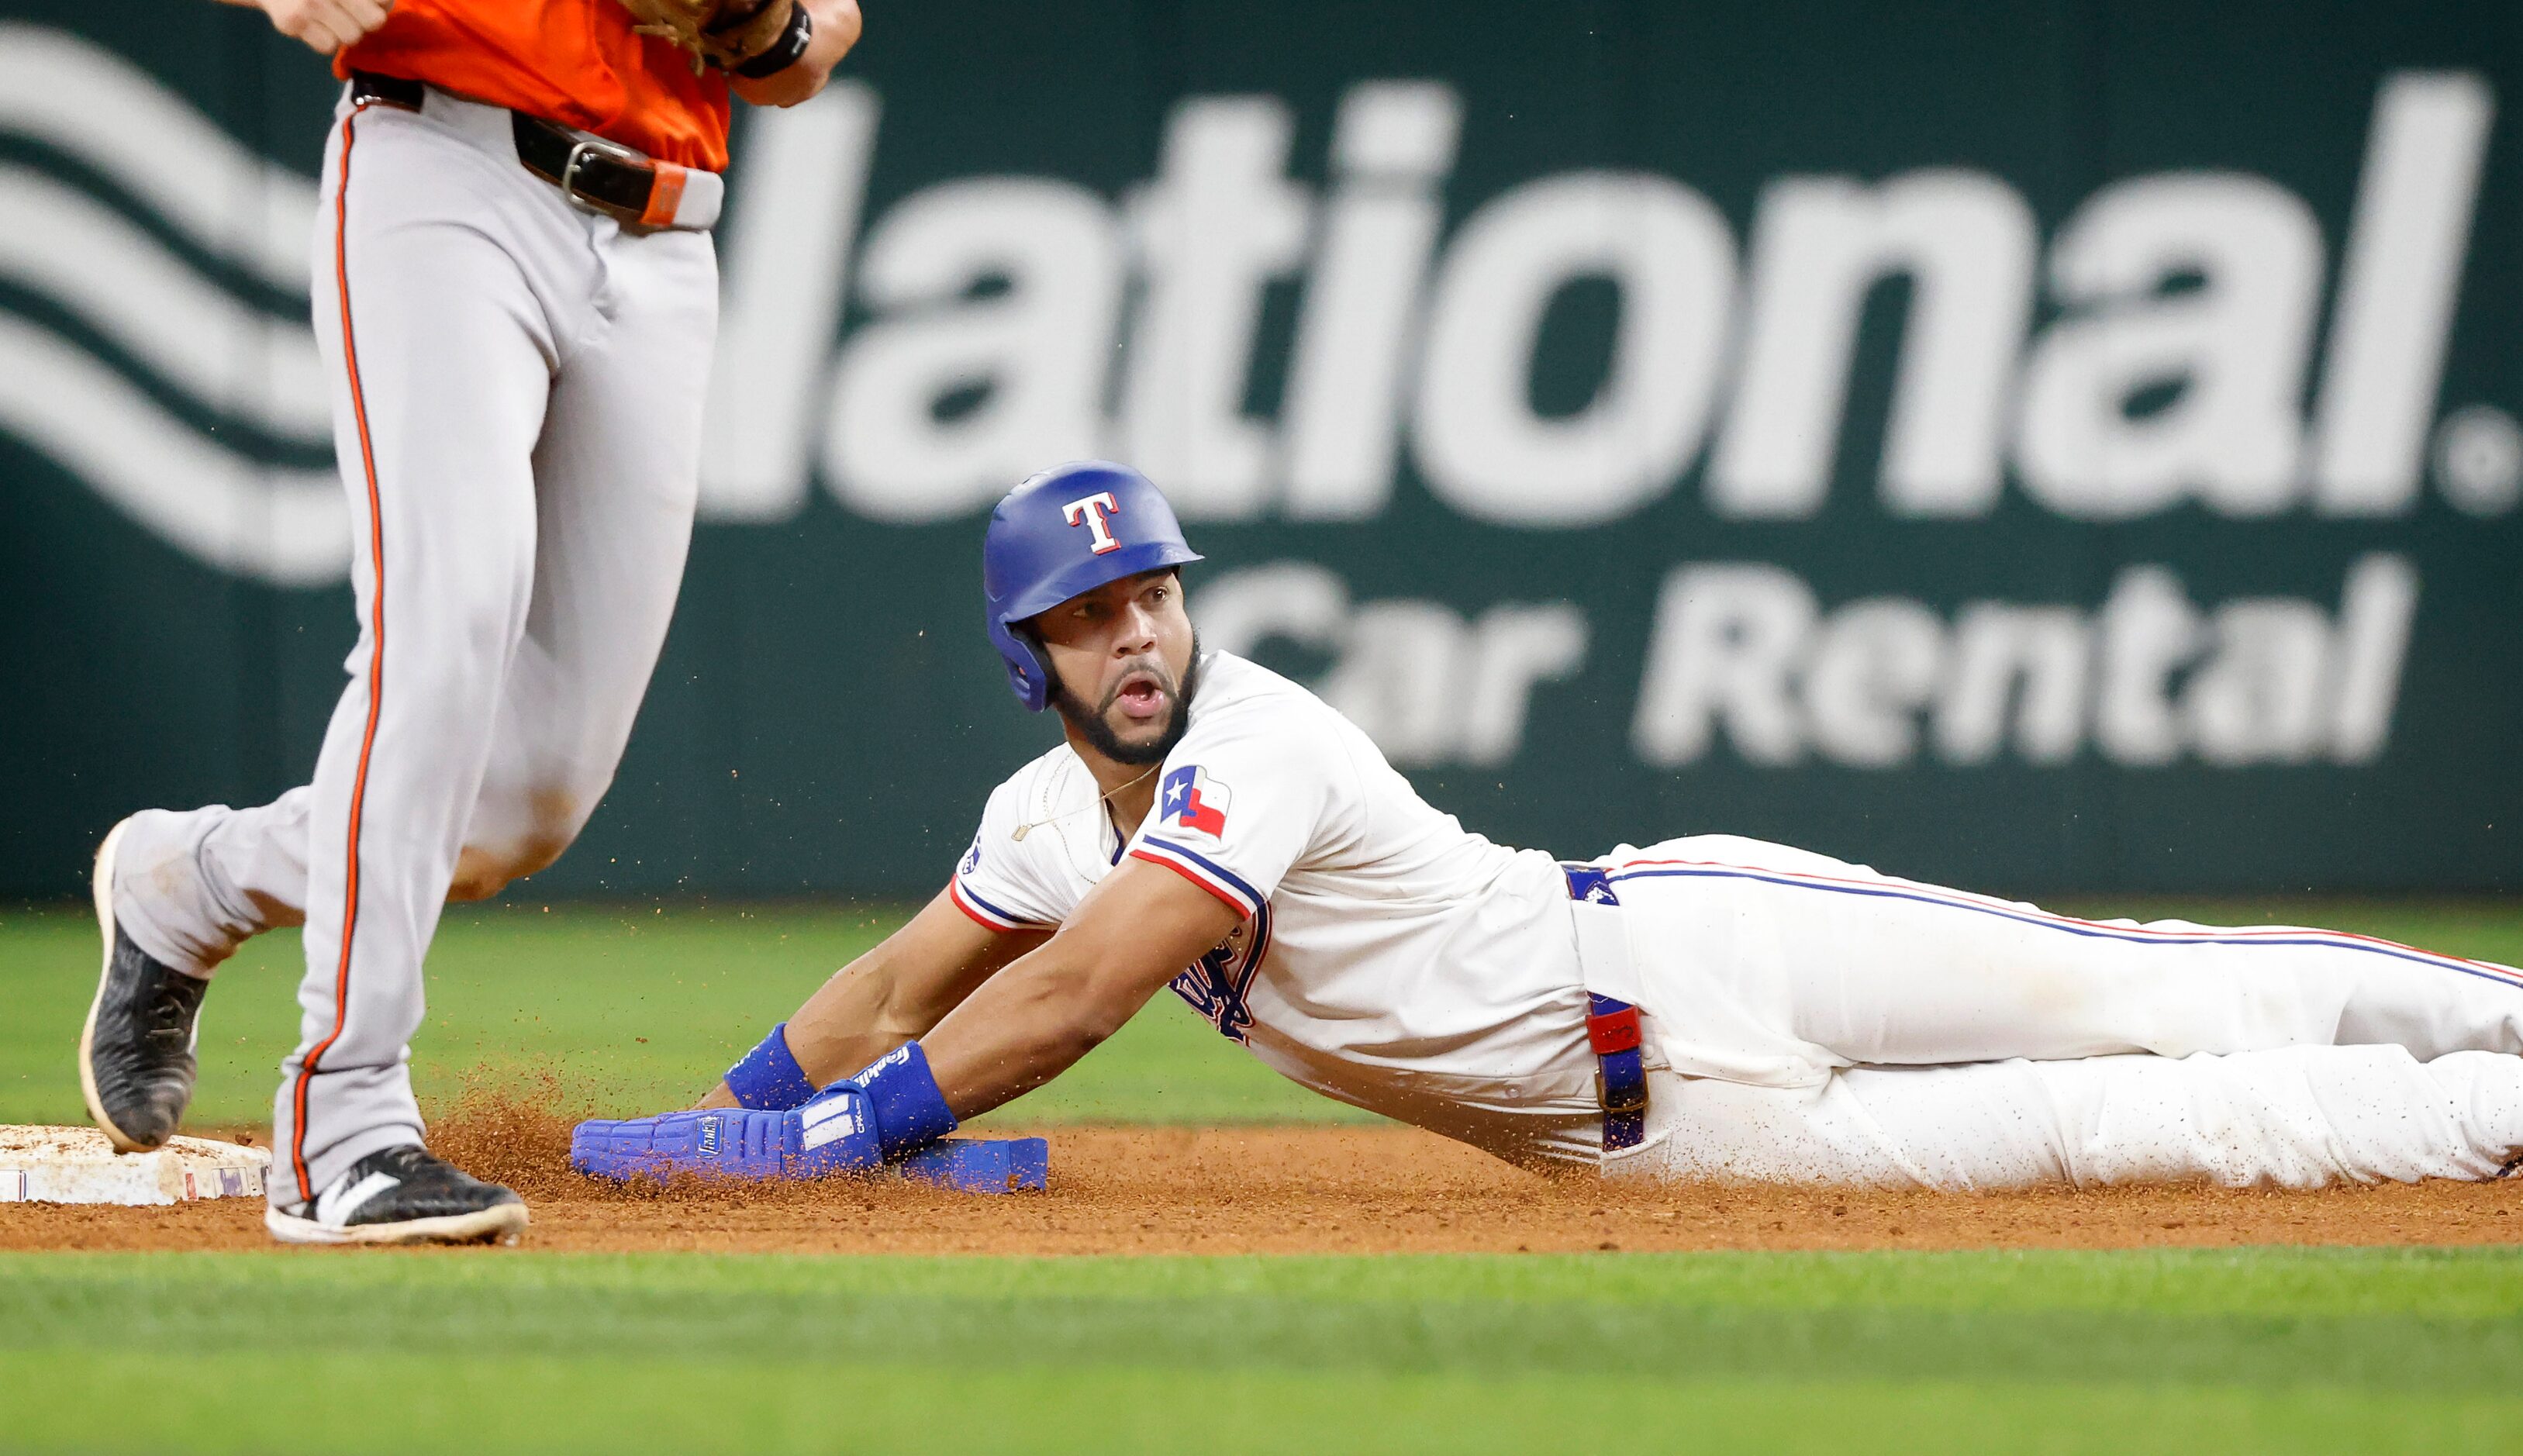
{"x": 892, "y": 994}
{"x": 1133, "y": 933}
{"x": 836, "y": 29}
{"x": 327, "y": 25}
{"x": 1012, "y": 1032}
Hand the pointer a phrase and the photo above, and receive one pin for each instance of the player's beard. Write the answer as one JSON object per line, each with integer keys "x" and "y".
{"x": 1096, "y": 728}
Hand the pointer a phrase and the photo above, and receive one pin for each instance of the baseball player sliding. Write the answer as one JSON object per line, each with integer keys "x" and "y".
{"x": 515, "y": 294}
{"x": 1705, "y": 1007}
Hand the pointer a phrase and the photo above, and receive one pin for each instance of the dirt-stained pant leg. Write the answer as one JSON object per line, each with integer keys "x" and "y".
{"x": 192, "y": 885}
{"x": 616, "y": 474}
{"x": 532, "y": 378}
{"x": 615, "y": 477}
{"x": 541, "y": 674}
{"x": 2299, "y": 1117}
{"x": 442, "y": 337}
{"x": 624, "y": 324}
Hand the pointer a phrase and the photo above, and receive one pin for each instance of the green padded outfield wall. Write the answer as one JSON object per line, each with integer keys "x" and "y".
{"x": 2038, "y": 446}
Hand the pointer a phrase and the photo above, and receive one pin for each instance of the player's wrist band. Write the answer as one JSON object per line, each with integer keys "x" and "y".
{"x": 904, "y": 1099}
{"x": 767, "y": 1078}
{"x": 784, "y": 52}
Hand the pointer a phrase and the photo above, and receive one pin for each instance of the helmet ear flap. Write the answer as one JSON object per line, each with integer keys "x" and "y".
{"x": 1031, "y": 642}
{"x": 1029, "y": 670}
{"x": 1028, "y": 677}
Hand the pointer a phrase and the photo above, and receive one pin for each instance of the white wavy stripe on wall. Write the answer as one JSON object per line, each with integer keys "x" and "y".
{"x": 91, "y": 104}
{"x": 134, "y": 290}
{"x": 287, "y": 526}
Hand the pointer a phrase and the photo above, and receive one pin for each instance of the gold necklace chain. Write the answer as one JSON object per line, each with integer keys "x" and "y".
{"x": 1101, "y": 800}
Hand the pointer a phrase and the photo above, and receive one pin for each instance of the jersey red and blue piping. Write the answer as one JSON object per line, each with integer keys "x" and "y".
{"x": 983, "y": 912}
{"x": 1202, "y": 870}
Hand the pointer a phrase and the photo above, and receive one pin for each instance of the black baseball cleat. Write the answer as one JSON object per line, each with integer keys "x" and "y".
{"x": 136, "y": 1051}
{"x": 402, "y": 1195}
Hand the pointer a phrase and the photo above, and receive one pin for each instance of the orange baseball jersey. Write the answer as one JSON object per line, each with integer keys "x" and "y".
{"x": 575, "y": 61}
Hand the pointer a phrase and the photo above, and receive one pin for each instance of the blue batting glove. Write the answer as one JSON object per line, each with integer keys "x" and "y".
{"x": 835, "y": 1133}
{"x": 837, "y": 1129}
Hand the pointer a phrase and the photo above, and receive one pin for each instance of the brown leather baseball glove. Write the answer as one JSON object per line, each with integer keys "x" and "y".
{"x": 724, "y": 33}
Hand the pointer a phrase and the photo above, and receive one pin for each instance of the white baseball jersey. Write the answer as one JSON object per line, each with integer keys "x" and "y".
{"x": 1385, "y": 955}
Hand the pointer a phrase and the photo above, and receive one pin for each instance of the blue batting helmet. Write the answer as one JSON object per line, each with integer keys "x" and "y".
{"x": 1067, "y": 531}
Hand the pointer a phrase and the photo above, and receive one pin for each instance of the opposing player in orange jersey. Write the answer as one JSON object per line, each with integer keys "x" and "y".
{"x": 515, "y": 294}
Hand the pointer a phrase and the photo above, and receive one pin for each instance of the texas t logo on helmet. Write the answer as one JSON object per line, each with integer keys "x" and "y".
{"x": 1091, "y": 511}
{"x": 1035, "y": 555}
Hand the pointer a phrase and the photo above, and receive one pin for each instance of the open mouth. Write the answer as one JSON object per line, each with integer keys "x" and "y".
{"x": 1141, "y": 696}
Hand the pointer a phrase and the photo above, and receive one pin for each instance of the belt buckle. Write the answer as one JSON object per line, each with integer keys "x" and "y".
{"x": 1632, "y": 1103}
{"x": 596, "y": 146}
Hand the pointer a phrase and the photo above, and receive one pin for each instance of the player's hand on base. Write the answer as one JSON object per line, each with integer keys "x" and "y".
{"x": 326, "y": 25}
{"x": 833, "y": 1134}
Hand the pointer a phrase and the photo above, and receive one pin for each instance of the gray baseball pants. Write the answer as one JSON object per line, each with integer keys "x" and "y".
{"x": 517, "y": 397}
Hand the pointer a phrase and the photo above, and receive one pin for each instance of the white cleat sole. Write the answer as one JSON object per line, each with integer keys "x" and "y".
{"x": 502, "y": 1223}
{"x": 101, "y": 884}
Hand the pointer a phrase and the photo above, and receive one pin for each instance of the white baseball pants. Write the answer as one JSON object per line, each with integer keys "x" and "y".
{"x": 517, "y": 396}
{"x": 1827, "y": 1025}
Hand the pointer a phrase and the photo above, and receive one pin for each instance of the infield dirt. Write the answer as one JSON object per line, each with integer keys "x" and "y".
{"x": 1320, "y": 1190}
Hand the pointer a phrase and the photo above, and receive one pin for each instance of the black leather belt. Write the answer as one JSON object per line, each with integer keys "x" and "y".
{"x": 619, "y": 182}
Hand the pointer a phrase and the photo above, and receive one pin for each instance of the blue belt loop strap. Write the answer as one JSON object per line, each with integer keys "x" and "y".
{"x": 1612, "y": 1030}
{"x": 1621, "y": 1084}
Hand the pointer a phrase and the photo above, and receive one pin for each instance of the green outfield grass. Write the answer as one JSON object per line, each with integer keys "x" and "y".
{"x": 490, "y": 1352}
{"x": 2259, "y": 1350}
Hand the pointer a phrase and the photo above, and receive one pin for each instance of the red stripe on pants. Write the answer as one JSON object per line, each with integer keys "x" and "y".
{"x": 376, "y": 663}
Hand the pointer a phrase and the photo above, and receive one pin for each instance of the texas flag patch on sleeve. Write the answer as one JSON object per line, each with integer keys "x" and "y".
{"x": 1185, "y": 833}
{"x": 1188, "y": 799}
